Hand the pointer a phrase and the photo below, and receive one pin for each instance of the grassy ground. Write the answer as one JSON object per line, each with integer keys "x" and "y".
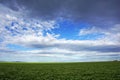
{"x": 60, "y": 71}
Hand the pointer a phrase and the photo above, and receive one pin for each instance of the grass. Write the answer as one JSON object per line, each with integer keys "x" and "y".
{"x": 60, "y": 71}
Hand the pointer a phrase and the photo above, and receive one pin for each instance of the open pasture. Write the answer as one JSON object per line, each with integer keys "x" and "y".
{"x": 60, "y": 71}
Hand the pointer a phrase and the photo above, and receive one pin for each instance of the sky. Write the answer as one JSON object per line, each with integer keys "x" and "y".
{"x": 59, "y": 30}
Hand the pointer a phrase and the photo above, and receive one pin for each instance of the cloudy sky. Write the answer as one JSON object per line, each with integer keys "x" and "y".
{"x": 59, "y": 30}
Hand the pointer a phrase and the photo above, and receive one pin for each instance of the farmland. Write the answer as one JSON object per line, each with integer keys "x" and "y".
{"x": 60, "y": 71}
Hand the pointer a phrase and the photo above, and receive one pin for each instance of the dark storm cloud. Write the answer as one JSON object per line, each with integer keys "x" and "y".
{"x": 11, "y": 4}
{"x": 7, "y": 51}
{"x": 45, "y": 9}
{"x": 77, "y": 47}
{"x": 96, "y": 12}
{"x": 110, "y": 48}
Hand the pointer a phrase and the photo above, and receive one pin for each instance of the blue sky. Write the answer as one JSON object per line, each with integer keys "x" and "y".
{"x": 62, "y": 31}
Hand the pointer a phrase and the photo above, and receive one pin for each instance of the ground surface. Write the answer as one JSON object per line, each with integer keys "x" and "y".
{"x": 60, "y": 71}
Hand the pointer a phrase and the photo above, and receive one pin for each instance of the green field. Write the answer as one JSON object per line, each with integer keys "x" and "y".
{"x": 60, "y": 71}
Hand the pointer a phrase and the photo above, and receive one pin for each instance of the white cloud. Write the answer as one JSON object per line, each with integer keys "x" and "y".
{"x": 34, "y": 34}
{"x": 111, "y": 34}
{"x": 14, "y": 23}
{"x": 91, "y": 30}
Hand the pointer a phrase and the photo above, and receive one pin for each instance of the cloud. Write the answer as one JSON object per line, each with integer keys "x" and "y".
{"x": 111, "y": 34}
{"x": 89, "y": 30}
{"x": 2, "y": 50}
{"x": 18, "y": 28}
{"x": 16, "y": 24}
{"x": 103, "y": 13}
{"x": 50, "y": 42}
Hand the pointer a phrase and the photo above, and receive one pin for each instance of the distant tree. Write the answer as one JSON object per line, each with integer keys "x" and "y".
{"x": 115, "y": 60}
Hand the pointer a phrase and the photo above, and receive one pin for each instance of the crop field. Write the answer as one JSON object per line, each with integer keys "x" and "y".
{"x": 60, "y": 71}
